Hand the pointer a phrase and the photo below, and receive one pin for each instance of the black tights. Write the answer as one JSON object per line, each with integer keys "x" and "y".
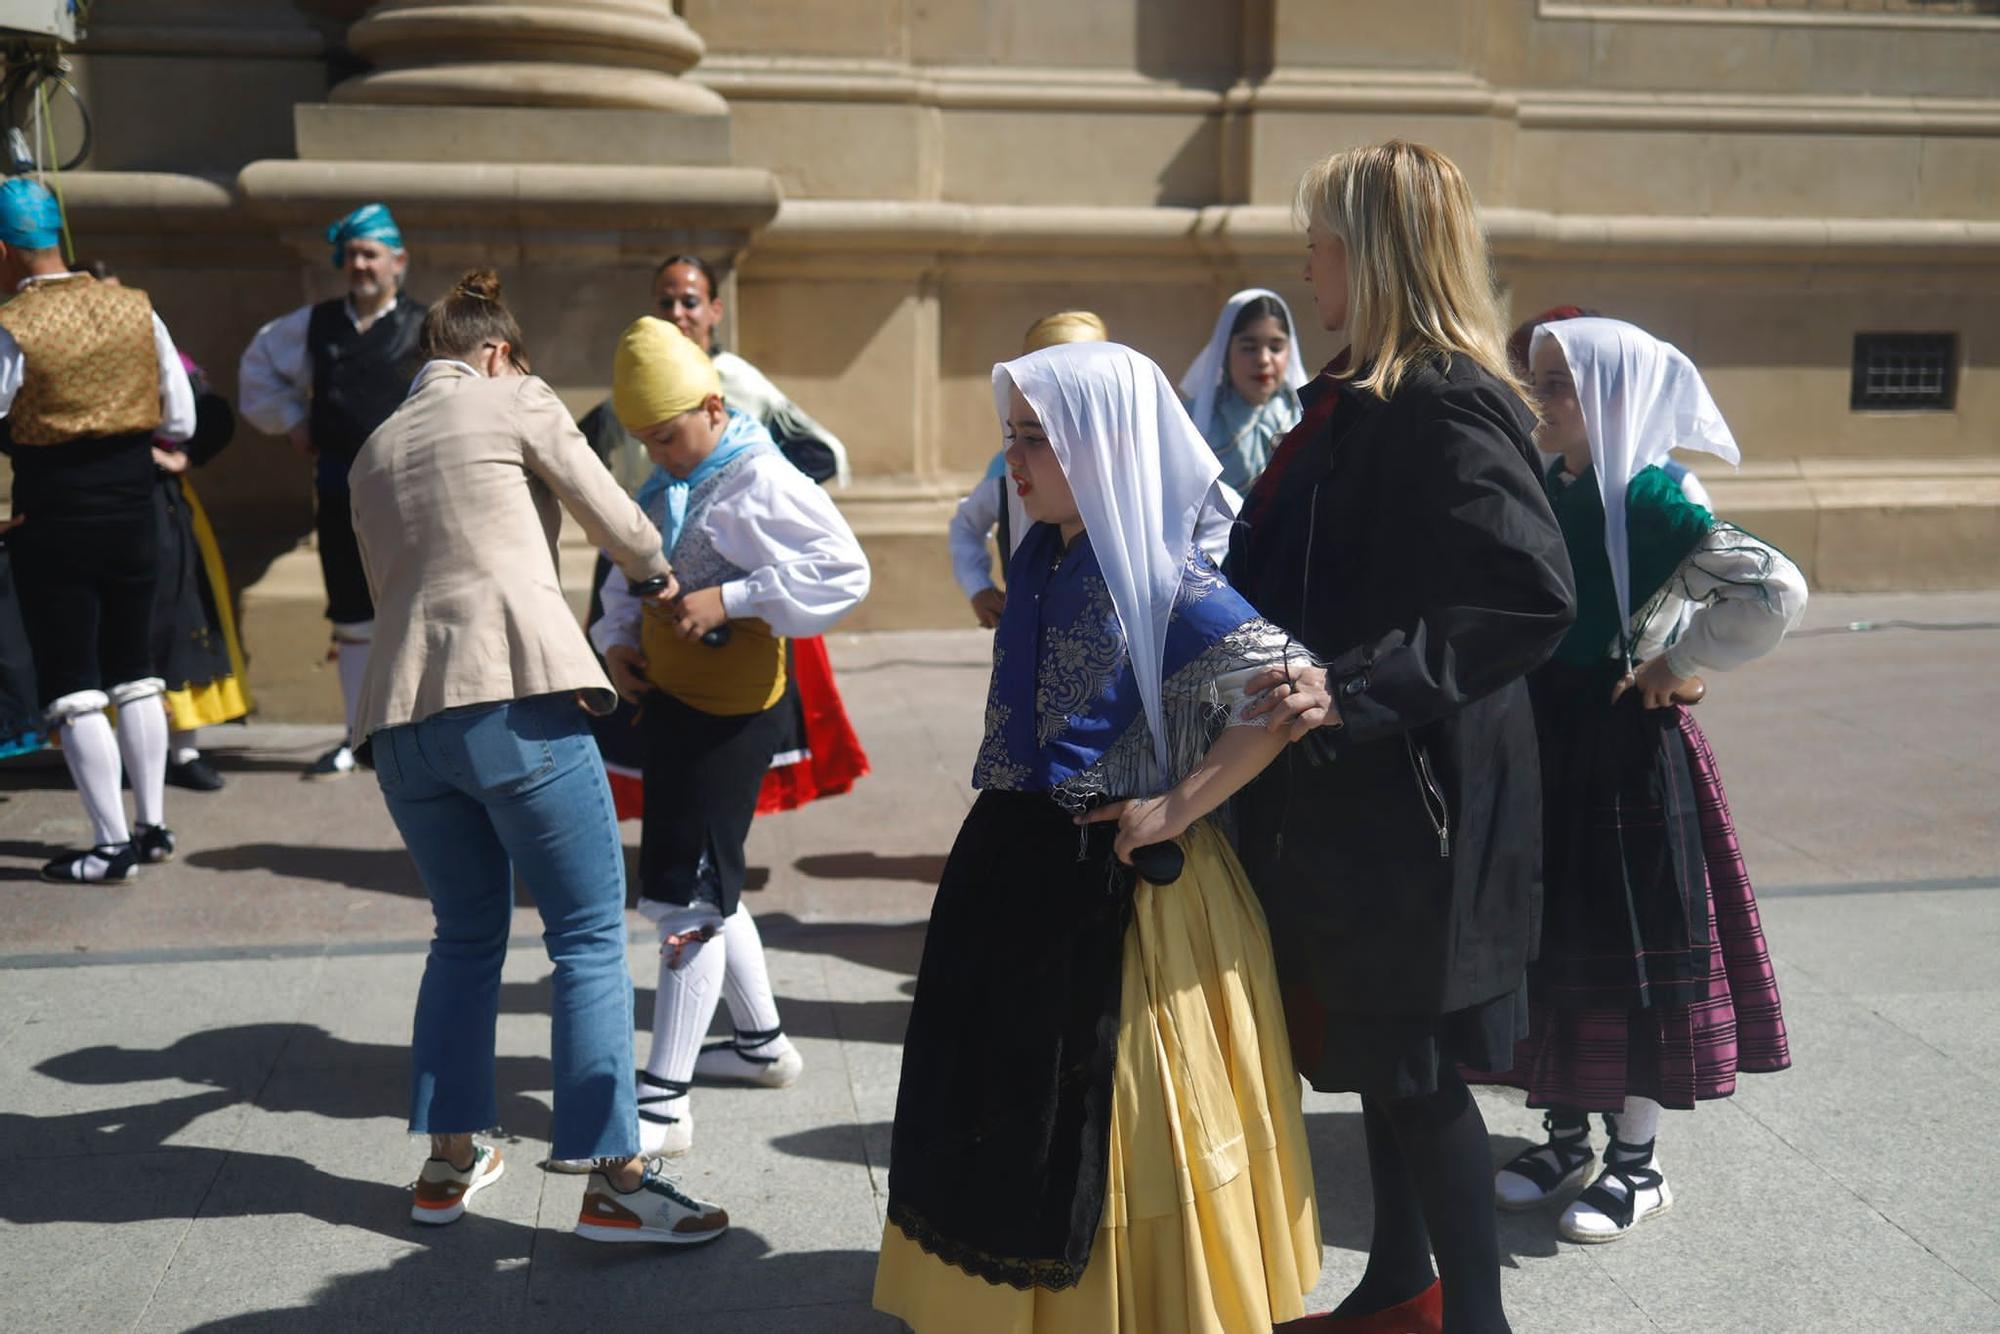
{"x": 1432, "y": 1176}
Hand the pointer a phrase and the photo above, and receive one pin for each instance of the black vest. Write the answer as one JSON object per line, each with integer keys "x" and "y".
{"x": 358, "y": 379}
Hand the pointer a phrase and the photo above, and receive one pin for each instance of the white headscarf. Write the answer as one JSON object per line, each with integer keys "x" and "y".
{"x": 1141, "y": 475}
{"x": 1209, "y": 371}
{"x": 1641, "y": 399}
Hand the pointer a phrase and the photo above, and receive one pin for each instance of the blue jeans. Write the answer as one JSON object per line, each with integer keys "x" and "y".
{"x": 477, "y": 793}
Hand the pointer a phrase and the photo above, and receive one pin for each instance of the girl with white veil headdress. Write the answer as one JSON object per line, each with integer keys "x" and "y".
{"x": 1653, "y": 986}
{"x": 1098, "y": 1127}
{"x": 1242, "y": 388}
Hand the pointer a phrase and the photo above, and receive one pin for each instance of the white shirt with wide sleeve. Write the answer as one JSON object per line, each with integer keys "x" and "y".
{"x": 176, "y": 393}
{"x": 274, "y": 379}
{"x": 804, "y": 568}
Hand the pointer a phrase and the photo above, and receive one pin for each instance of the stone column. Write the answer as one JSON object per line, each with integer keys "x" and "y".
{"x": 554, "y": 140}
{"x": 560, "y": 53}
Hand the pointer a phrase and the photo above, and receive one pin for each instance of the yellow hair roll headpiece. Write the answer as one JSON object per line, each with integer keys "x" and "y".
{"x": 658, "y": 374}
{"x": 1065, "y": 326}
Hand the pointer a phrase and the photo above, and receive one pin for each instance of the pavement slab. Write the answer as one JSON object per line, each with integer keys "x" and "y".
{"x": 204, "y": 1121}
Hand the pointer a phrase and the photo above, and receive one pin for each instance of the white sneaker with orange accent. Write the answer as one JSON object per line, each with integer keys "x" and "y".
{"x": 655, "y": 1210}
{"x": 442, "y": 1190}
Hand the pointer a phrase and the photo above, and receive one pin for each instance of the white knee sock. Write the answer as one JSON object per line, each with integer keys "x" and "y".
{"x": 746, "y": 983}
{"x": 91, "y": 751}
{"x": 142, "y": 739}
{"x": 690, "y": 987}
{"x": 181, "y": 747}
{"x": 351, "y": 659}
{"x": 1639, "y": 1123}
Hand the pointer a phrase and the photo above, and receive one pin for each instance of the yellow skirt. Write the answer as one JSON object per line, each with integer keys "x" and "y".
{"x": 1209, "y": 1219}
{"x": 228, "y": 697}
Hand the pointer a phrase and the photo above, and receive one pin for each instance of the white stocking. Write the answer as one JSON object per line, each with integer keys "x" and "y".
{"x": 91, "y": 751}
{"x": 351, "y": 644}
{"x": 181, "y": 747}
{"x": 142, "y": 739}
{"x": 747, "y": 982}
{"x": 690, "y": 986}
{"x": 1639, "y": 1123}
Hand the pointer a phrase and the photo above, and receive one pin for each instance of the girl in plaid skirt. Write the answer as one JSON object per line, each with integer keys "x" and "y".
{"x": 1653, "y": 987}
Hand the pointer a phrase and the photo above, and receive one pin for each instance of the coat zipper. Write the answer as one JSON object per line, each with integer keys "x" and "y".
{"x": 1435, "y": 808}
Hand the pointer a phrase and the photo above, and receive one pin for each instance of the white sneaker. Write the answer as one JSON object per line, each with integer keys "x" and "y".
{"x": 666, "y": 1125}
{"x": 773, "y": 1064}
{"x": 442, "y": 1190}
{"x": 656, "y": 1210}
{"x": 570, "y": 1167}
{"x": 1624, "y": 1195}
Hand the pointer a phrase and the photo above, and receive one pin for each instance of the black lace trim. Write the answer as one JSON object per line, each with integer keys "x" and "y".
{"x": 1008, "y": 1271}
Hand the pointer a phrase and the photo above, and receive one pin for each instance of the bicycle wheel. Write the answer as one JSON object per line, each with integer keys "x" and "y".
{"x": 62, "y": 127}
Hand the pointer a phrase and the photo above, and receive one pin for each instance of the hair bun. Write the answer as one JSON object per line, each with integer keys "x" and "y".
{"x": 481, "y": 283}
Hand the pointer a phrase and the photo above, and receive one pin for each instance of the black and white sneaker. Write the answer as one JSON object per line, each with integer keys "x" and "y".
{"x": 109, "y": 863}
{"x": 768, "y": 1060}
{"x": 153, "y": 842}
{"x": 1630, "y": 1190}
{"x": 336, "y": 763}
{"x": 1537, "y": 1175}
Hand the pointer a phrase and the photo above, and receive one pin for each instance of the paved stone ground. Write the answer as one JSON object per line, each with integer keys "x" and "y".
{"x": 201, "y": 1119}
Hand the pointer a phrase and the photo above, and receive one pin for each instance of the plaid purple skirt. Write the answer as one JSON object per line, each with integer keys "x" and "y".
{"x": 1593, "y": 1057}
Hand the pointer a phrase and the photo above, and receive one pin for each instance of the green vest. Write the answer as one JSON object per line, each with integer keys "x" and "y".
{"x": 1661, "y": 527}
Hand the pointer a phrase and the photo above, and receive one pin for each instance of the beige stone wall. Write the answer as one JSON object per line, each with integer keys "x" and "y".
{"x": 1756, "y": 182}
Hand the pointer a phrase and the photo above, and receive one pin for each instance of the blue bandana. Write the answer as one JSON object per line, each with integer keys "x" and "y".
{"x": 370, "y": 222}
{"x": 664, "y": 497}
{"x": 30, "y": 218}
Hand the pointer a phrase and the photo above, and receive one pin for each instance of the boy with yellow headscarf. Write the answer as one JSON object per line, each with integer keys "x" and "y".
{"x": 761, "y": 554}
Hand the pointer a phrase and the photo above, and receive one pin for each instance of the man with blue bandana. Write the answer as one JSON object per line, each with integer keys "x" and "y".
{"x": 327, "y": 375}
{"x": 88, "y": 377}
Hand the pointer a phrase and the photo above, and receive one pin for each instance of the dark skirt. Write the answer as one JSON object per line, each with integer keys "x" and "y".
{"x": 999, "y": 1155}
{"x": 1624, "y": 920}
{"x": 702, "y": 775}
{"x": 1592, "y": 1057}
{"x": 189, "y": 645}
{"x": 20, "y": 706}
{"x": 1397, "y": 1055}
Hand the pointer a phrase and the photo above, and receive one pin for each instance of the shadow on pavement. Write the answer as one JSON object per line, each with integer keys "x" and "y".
{"x": 924, "y": 868}
{"x": 379, "y": 870}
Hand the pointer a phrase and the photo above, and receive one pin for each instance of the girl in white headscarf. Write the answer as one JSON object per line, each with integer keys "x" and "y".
{"x": 1653, "y": 987}
{"x": 1242, "y": 389}
{"x": 1098, "y": 1127}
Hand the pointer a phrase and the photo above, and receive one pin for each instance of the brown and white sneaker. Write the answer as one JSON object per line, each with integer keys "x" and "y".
{"x": 655, "y": 1210}
{"x": 442, "y": 1190}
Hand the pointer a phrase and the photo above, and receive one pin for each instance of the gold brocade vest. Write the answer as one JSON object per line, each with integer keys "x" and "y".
{"x": 91, "y": 366}
{"x": 745, "y": 675}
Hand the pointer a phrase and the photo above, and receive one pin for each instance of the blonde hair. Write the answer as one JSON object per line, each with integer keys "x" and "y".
{"x": 1065, "y": 326}
{"x": 1418, "y": 282}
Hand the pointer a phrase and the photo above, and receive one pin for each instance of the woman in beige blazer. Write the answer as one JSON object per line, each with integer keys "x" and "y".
{"x": 473, "y": 715}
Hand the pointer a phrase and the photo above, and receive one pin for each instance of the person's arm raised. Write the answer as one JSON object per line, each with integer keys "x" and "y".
{"x": 555, "y": 451}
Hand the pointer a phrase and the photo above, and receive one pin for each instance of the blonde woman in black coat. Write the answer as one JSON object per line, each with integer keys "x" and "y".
{"x": 1401, "y": 535}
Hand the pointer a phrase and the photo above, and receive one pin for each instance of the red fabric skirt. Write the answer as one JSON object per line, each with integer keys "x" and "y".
{"x": 822, "y": 758}
{"x": 1593, "y": 1057}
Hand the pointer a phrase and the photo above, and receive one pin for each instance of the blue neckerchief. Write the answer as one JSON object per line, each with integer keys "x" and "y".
{"x": 664, "y": 496}
{"x": 1063, "y": 690}
{"x": 997, "y": 468}
{"x": 1243, "y": 437}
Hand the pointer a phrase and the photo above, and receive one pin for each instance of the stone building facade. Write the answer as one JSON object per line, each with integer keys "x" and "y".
{"x": 901, "y": 186}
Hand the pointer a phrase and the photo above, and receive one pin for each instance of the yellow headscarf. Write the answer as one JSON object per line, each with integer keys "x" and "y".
{"x": 658, "y": 374}
{"x": 1065, "y": 326}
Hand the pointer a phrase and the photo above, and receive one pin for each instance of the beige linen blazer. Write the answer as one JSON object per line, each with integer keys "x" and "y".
{"x": 455, "y": 505}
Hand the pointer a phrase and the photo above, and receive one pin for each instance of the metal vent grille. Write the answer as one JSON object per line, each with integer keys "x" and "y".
{"x": 1905, "y": 372}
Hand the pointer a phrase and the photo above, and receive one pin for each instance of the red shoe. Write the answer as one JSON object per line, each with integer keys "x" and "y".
{"x": 1421, "y": 1314}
